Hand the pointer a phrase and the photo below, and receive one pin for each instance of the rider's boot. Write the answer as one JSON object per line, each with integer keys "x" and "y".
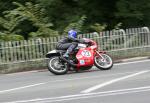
{"x": 66, "y": 55}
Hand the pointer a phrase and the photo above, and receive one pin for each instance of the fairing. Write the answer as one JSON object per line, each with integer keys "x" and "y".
{"x": 85, "y": 57}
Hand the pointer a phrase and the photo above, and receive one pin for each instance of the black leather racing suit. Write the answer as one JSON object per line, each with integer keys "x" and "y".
{"x": 68, "y": 44}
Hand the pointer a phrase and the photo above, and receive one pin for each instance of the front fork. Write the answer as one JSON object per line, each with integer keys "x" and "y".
{"x": 103, "y": 59}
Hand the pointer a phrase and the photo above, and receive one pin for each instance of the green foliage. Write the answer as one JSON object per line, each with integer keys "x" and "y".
{"x": 118, "y": 26}
{"x": 43, "y": 32}
{"x": 36, "y": 14}
{"x": 9, "y": 24}
{"x": 30, "y": 12}
{"x": 129, "y": 9}
{"x": 133, "y": 12}
{"x": 98, "y": 27}
{"x": 78, "y": 26}
{"x": 12, "y": 37}
{"x": 44, "y": 18}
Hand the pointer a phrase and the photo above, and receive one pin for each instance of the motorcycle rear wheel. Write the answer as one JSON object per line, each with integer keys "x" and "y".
{"x": 56, "y": 67}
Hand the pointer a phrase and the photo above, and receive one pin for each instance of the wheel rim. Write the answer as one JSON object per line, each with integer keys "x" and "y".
{"x": 56, "y": 66}
{"x": 103, "y": 63}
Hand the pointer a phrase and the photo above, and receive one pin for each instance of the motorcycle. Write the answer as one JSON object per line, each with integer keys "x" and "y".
{"x": 84, "y": 57}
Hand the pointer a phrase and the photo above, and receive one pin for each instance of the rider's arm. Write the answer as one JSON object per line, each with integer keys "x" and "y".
{"x": 73, "y": 39}
{"x": 77, "y": 40}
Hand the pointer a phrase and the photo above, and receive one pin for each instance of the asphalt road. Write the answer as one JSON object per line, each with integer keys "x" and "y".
{"x": 124, "y": 83}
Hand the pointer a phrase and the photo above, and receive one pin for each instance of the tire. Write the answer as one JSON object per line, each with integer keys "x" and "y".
{"x": 103, "y": 65}
{"x": 56, "y": 67}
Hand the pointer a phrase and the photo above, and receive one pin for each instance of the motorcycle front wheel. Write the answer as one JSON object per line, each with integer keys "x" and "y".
{"x": 104, "y": 63}
{"x": 56, "y": 67}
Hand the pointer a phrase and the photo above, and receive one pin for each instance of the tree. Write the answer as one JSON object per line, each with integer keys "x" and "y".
{"x": 36, "y": 14}
{"x": 133, "y": 13}
{"x": 9, "y": 24}
{"x": 78, "y": 26}
{"x": 32, "y": 13}
{"x": 43, "y": 18}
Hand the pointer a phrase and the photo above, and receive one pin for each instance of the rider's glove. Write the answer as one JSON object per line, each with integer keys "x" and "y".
{"x": 89, "y": 43}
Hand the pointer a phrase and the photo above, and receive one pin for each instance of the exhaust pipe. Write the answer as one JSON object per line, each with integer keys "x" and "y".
{"x": 72, "y": 64}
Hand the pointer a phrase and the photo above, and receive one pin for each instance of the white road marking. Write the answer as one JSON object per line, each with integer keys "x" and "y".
{"x": 112, "y": 81}
{"x": 132, "y": 62}
{"x": 34, "y": 71}
{"x": 32, "y": 85}
{"x": 64, "y": 80}
{"x": 87, "y": 95}
{"x": 28, "y": 86}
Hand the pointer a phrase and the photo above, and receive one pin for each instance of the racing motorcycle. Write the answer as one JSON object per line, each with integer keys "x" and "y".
{"x": 84, "y": 57}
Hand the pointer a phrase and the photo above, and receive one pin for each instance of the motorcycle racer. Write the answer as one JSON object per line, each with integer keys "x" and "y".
{"x": 69, "y": 43}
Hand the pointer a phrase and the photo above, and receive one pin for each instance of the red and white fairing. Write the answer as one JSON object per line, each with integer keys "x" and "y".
{"x": 85, "y": 56}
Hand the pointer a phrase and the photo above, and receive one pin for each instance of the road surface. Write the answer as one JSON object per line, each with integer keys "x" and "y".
{"x": 127, "y": 82}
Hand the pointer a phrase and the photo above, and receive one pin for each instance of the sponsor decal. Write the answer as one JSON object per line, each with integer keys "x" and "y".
{"x": 86, "y": 53}
{"x": 87, "y": 60}
{"x": 79, "y": 56}
{"x": 82, "y": 62}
